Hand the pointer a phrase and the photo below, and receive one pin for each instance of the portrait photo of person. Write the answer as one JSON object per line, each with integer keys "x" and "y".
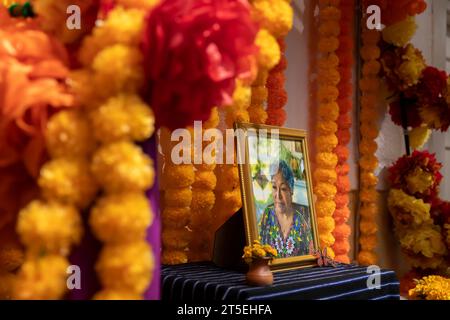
{"x": 277, "y": 197}
{"x": 285, "y": 225}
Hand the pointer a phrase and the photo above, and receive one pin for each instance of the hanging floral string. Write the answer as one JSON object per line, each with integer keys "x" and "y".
{"x": 277, "y": 94}
{"x": 275, "y": 19}
{"x": 328, "y": 112}
{"x": 369, "y": 90}
{"x": 177, "y": 196}
{"x": 119, "y": 118}
{"x": 341, "y": 215}
{"x": 203, "y": 200}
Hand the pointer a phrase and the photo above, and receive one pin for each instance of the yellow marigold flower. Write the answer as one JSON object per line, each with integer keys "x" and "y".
{"x": 368, "y": 195}
{"x": 330, "y": 77}
{"x": 49, "y": 227}
{"x": 419, "y": 136}
{"x": 326, "y": 240}
{"x": 413, "y": 210}
{"x": 205, "y": 180}
{"x": 325, "y": 191}
{"x": 122, "y": 166}
{"x": 68, "y": 134}
{"x": 425, "y": 239}
{"x": 261, "y": 78}
{"x": 326, "y": 160}
{"x": 431, "y": 115}
{"x": 118, "y": 69}
{"x": 325, "y": 175}
{"x": 126, "y": 267}
{"x": 213, "y": 120}
{"x": 327, "y": 127}
{"x": 325, "y": 207}
{"x": 419, "y": 180}
{"x": 174, "y": 217}
{"x": 370, "y": 52}
{"x": 109, "y": 294}
{"x": 120, "y": 27}
{"x": 172, "y": 257}
{"x": 431, "y": 288}
{"x": 330, "y": 28}
{"x": 178, "y": 176}
{"x": 368, "y": 242}
{"x": 400, "y": 33}
{"x": 412, "y": 66}
{"x": 325, "y": 224}
{"x": 328, "y": 62}
{"x": 242, "y": 95}
{"x": 257, "y": 114}
{"x": 328, "y": 44}
{"x": 329, "y": 111}
{"x": 327, "y": 94}
{"x": 330, "y": 13}
{"x": 326, "y": 143}
{"x": 277, "y": 16}
{"x": 41, "y": 279}
{"x": 269, "y": 50}
{"x": 68, "y": 180}
{"x": 367, "y": 258}
{"x": 368, "y": 225}
{"x": 121, "y": 217}
{"x": 138, "y": 4}
{"x": 122, "y": 117}
{"x": 181, "y": 197}
{"x": 259, "y": 94}
{"x": 202, "y": 199}
{"x": 176, "y": 239}
{"x": 368, "y": 162}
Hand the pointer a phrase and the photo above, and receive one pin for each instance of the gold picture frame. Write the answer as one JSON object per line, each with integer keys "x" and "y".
{"x": 246, "y": 131}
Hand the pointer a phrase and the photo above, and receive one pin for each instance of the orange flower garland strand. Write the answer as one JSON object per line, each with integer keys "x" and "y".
{"x": 203, "y": 199}
{"x": 368, "y": 162}
{"x": 341, "y": 215}
{"x": 277, "y": 94}
{"x": 176, "y": 193}
{"x": 328, "y": 112}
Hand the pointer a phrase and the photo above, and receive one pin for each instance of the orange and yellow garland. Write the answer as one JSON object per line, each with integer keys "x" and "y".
{"x": 369, "y": 87}
{"x": 328, "y": 78}
{"x": 341, "y": 215}
{"x": 118, "y": 118}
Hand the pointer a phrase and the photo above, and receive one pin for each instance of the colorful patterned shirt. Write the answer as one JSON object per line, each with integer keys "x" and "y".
{"x": 299, "y": 238}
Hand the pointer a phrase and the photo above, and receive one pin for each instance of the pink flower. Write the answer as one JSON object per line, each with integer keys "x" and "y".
{"x": 194, "y": 50}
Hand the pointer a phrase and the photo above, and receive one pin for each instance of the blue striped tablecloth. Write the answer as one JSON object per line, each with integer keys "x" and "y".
{"x": 204, "y": 282}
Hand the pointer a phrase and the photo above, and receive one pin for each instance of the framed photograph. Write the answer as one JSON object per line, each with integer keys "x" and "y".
{"x": 277, "y": 197}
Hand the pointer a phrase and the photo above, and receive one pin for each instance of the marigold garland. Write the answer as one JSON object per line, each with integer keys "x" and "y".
{"x": 203, "y": 200}
{"x": 419, "y": 216}
{"x": 176, "y": 201}
{"x": 431, "y": 288}
{"x": 118, "y": 118}
{"x": 328, "y": 78}
{"x": 370, "y": 53}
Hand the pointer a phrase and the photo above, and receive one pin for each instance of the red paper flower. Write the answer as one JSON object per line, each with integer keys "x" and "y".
{"x": 194, "y": 51}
